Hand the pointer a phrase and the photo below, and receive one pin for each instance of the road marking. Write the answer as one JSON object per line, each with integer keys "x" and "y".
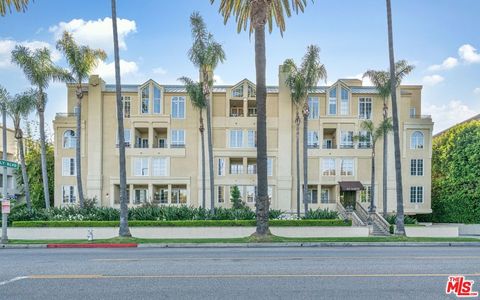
{"x": 13, "y": 280}
{"x": 203, "y": 276}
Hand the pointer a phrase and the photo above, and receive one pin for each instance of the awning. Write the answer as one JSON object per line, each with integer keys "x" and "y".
{"x": 346, "y": 186}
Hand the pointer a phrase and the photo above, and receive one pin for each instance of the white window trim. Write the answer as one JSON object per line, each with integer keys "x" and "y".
{"x": 176, "y": 143}
{"x": 230, "y": 138}
{"x": 365, "y": 103}
{"x": 342, "y": 102}
{"x": 160, "y": 99}
{"x": 177, "y": 99}
{"x": 75, "y": 194}
{"x": 317, "y": 102}
{"x": 167, "y": 166}
{"x": 134, "y": 159}
{"x": 417, "y": 144}
{"x": 68, "y": 174}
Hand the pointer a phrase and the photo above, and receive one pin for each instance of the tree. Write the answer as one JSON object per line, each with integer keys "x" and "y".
{"x": 82, "y": 61}
{"x": 39, "y": 69}
{"x": 400, "y": 230}
{"x": 235, "y": 196}
{"x": 373, "y": 134}
{"x": 20, "y": 5}
{"x": 17, "y": 108}
{"x": 206, "y": 54}
{"x": 255, "y": 14}
{"x": 381, "y": 80}
{"x": 124, "y": 231}
{"x": 197, "y": 98}
{"x": 301, "y": 82}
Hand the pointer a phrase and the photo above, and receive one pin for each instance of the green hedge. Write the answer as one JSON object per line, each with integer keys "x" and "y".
{"x": 189, "y": 223}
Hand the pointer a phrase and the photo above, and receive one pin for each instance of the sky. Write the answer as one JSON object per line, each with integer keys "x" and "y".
{"x": 437, "y": 36}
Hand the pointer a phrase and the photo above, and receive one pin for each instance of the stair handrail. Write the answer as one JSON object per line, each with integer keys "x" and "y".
{"x": 362, "y": 212}
{"x": 356, "y": 221}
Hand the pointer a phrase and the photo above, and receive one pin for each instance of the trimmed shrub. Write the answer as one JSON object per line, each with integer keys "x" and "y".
{"x": 321, "y": 214}
{"x": 407, "y": 219}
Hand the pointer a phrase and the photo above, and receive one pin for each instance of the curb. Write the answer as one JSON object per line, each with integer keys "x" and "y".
{"x": 22, "y": 246}
{"x": 126, "y": 245}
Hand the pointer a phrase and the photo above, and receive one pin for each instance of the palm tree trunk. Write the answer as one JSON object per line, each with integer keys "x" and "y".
{"x": 202, "y": 135}
{"x": 78, "y": 157}
{"x": 262, "y": 203}
{"x": 124, "y": 231}
{"x": 41, "y": 116}
{"x": 26, "y": 186}
{"x": 385, "y": 160}
{"x": 400, "y": 230}
{"x": 210, "y": 153}
{"x": 305, "y": 159}
{"x": 297, "y": 145}
{"x": 372, "y": 182}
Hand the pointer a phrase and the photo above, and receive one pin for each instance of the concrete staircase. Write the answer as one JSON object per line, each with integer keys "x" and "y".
{"x": 377, "y": 224}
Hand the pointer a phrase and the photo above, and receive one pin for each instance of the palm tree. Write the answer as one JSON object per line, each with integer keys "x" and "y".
{"x": 206, "y": 54}
{"x": 124, "y": 231}
{"x": 255, "y": 14}
{"x": 82, "y": 61}
{"x": 20, "y": 107}
{"x": 39, "y": 69}
{"x": 381, "y": 80}
{"x": 301, "y": 82}
{"x": 20, "y": 5}
{"x": 373, "y": 134}
{"x": 195, "y": 92}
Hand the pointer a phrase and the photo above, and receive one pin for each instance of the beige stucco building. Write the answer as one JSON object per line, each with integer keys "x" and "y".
{"x": 163, "y": 157}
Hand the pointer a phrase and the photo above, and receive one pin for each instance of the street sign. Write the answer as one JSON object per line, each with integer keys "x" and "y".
{"x": 5, "y": 206}
{"x": 8, "y": 164}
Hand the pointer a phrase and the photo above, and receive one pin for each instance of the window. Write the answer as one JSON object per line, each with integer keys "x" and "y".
{"x": 69, "y": 139}
{"x": 270, "y": 193}
{"x": 413, "y": 112}
{"x": 312, "y": 141}
{"x": 346, "y": 139}
{"x": 178, "y": 107}
{"x": 236, "y": 167}
{"x": 179, "y": 194}
{"x": 251, "y": 167}
{"x": 416, "y": 141}
{"x": 416, "y": 194}
{"x": 365, "y": 194}
{"x": 346, "y": 168}
{"x": 312, "y": 196}
{"x": 332, "y": 102}
{"x": 220, "y": 194}
{"x": 221, "y": 167}
{"x": 238, "y": 91}
{"x": 145, "y": 100}
{"x": 140, "y": 196}
{"x": 365, "y": 108}
{"x": 252, "y": 138}
{"x": 416, "y": 167}
{"x": 69, "y": 194}
{"x": 157, "y": 100}
{"x": 328, "y": 166}
{"x": 324, "y": 196}
{"x": 178, "y": 138}
{"x": 344, "y": 103}
{"x": 252, "y": 112}
{"x": 365, "y": 140}
{"x": 140, "y": 166}
{"x": 68, "y": 166}
{"x": 236, "y": 138}
{"x": 127, "y": 136}
{"x": 236, "y": 111}
{"x": 159, "y": 166}
{"x": 270, "y": 167}
{"x": 327, "y": 144}
{"x": 126, "y": 106}
{"x": 251, "y": 192}
{"x": 252, "y": 92}
{"x": 161, "y": 195}
{"x": 313, "y": 107}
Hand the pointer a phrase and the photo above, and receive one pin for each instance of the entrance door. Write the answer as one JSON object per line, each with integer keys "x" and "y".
{"x": 349, "y": 199}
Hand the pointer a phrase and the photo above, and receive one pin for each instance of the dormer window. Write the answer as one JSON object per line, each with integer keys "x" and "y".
{"x": 151, "y": 98}
{"x": 332, "y": 101}
{"x": 238, "y": 91}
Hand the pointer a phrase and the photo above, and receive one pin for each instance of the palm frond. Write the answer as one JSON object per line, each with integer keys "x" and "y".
{"x": 195, "y": 92}
{"x": 19, "y": 5}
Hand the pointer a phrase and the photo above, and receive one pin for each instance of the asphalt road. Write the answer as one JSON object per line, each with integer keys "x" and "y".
{"x": 235, "y": 273}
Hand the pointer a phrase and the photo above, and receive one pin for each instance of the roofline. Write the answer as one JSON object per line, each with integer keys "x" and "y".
{"x": 474, "y": 118}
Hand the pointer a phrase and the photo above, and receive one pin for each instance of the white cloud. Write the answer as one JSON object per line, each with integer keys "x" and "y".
{"x": 159, "y": 71}
{"x": 96, "y": 33}
{"x": 107, "y": 70}
{"x": 449, "y": 114}
{"x": 217, "y": 79}
{"x": 7, "y": 45}
{"x": 469, "y": 54}
{"x": 365, "y": 80}
{"x": 432, "y": 79}
{"x": 448, "y": 63}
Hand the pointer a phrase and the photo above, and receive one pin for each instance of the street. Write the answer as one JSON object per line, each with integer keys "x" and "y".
{"x": 235, "y": 273}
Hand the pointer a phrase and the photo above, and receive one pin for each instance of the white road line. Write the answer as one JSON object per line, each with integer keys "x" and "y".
{"x": 13, "y": 280}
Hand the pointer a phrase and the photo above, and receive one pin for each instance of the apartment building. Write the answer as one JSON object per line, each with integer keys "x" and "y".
{"x": 164, "y": 156}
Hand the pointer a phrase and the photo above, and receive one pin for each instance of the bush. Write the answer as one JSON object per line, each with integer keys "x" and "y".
{"x": 321, "y": 214}
{"x": 407, "y": 219}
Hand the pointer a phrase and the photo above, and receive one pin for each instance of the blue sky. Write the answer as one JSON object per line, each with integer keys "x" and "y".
{"x": 437, "y": 36}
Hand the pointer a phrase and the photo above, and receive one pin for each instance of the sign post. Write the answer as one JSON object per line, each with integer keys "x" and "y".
{"x": 4, "y": 239}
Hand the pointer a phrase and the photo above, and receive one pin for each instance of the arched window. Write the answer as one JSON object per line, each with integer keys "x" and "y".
{"x": 416, "y": 141}
{"x": 69, "y": 139}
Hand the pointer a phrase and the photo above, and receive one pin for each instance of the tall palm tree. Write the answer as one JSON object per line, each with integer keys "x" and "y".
{"x": 381, "y": 80}
{"x": 39, "y": 69}
{"x": 82, "y": 61}
{"x": 373, "y": 134}
{"x": 301, "y": 82}
{"x": 197, "y": 98}
{"x": 206, "y": 54}
{"x": 20, "y": 107}
{"x": 400, "y": 230}
{"x": 20, "y": 5}
{"x": 255, "y": 14}
{"x": 124, "y": 231}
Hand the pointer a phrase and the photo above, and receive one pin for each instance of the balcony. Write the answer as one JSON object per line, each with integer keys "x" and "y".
{"x": 65, "y": 115}
{"x": 347, "y": 146}
{"x": 422, "y": 117}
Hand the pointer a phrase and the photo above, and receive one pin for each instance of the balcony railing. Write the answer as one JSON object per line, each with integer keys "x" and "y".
{"x": 141, "y": 145}
{"x": 346, "y": 146}
{"x": 420, "y": 116}
{"x": 313, "y": 146}
{"x": 177, "y": 146}
{"x": 65, "y": 115}
{"x": 364, "y": 146}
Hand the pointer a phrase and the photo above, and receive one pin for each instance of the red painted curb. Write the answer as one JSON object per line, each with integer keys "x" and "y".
{"x": 126, "y": 245}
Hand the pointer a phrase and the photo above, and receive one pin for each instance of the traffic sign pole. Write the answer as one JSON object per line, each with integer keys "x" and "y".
{"x": 4, "y": 193}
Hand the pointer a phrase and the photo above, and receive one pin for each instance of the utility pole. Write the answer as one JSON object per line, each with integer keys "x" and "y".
{"x": 4, "y": 192}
